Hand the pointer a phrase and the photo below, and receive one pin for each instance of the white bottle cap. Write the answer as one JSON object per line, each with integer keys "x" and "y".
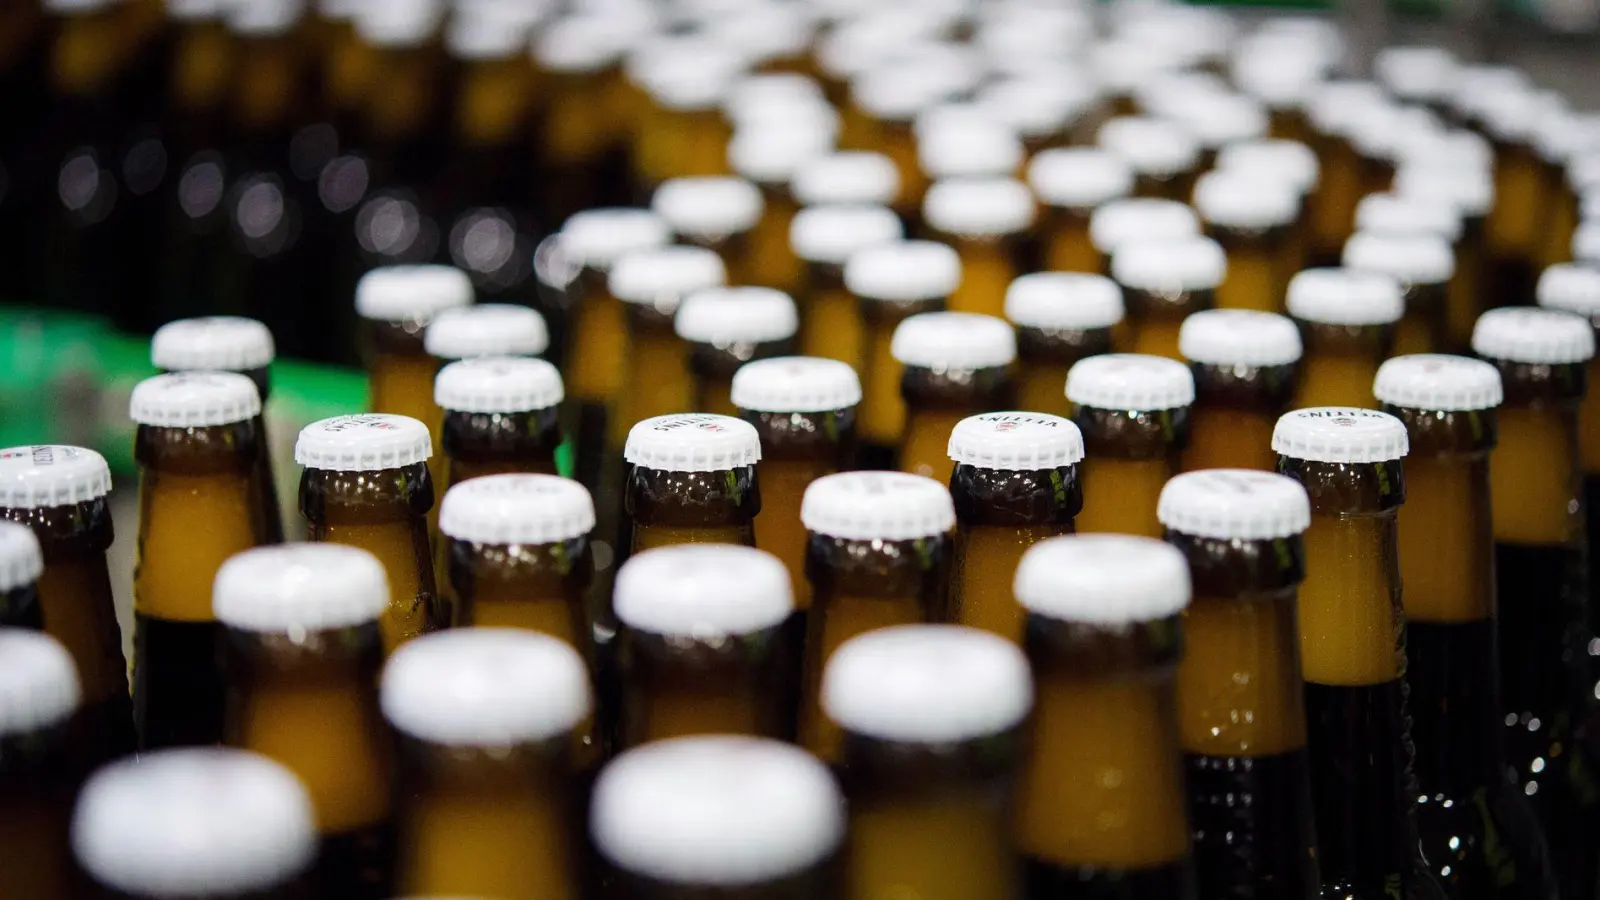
{"x": 736, "y": 315}
{"x": 21, "y": 560}
{"x": 832, "y": 234}
{"x": 1064, "y": 300}
{"x": 1140, "y": 218}
{"x": 719, "y": 811}
{"x": 1273, "y": 159}
{"x": 38, "y": 681}
{"x": 867, "y": 38}
{"x": 194, "y": 400}
{"x": 1473, "y": 83}
{"x": 43, "y": 475}
{"x": 597, "y": 238}
{"x": 498, "y": 384}
{"x": 795, "y": 384}
{"x": 1016, "y": 441}
{"x": 516, "y": 509}
{"x": 1345, "y": 297}
{"x": 300, "y": 586}
{"x": 1277, "y": 71}
{"x": 765, "y": 32}
{"x": 194, "y": 822}
{"x": 1239, "y": 337}
{"x": 1336, "y": 105}
{"x": 395, "y": 25}
{"x": 1571, "y": 287}
{"x": 703, "y": 591}
{"x": 849, "y": 176}
{"x": 1586, "y": 242}
{"x": 685, "y": 72}
{"x": 485, "y": 687}
{"x": 406, "y": 293}
{"x": 1469, "y": 188}
{"x": 1448, "y": 149}
{"x": 927, "y": 684}
{"x": 753, "y": 95}
{"x": 772, "y": 151}
{"x": 1435, "y": 381}
{"x": 1248, "y": 200}
{"x": 954, "y": 340}
{"x": 365, "y": 442}
{"x": 972, "y": 148}
{"x": 487, "y": 329}
{"x": 1040, "y": 104}
{"x": 1122, "y": 64}
{"x": 663, "y": 276}
{"x": 1513, "y": 116}
{"x": 1151, "y": 146}
{"x": 583, "y": 42}
{"x": 1103, "y": 579}
{"x": 1420, "y": 73}
{"x": 1405, "y": 214}
{"x": 1172, "y": 95}
{"x": 212, "y": 342}
{"x": 1338, "y": 434}
{"x": 692, "y": 442}
{"x": 922, "y": 75}
{"x": 872, "y": 506}
{"x": 1533, "y": 336}
{"x": 1414, "y": 258}
{"x": 1170, "y": 266}
{"x": 1130, "y": 381}
{"x": 1217, "y": 120}
{"x": 1234, "y": 505}
{"x": 1032, "y": 30}
{"x": 708, "y": 207}
{"x": 978, "y": 207}
{"x": 1079, "y": 177}
{"x": 903, "y": 271}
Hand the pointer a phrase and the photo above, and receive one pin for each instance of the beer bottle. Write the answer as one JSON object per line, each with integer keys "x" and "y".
{"x": 1407, "y": 217}
{"x": 1417, "y": 74}
{"x": 963, "y": 140}
{"x": 302, "y": 649}
{"x": 768, "y": 153}
{"x": 401, "y": 107}
{"x": 1071, "y": 183}
{"x": 1244, "y": 364}
{"x": 197, "y": 822}
{"x": 1124, "y": 221}
{"x": 1101, "y": 804}
{"x": 1563, "y": 138}
{"x": 1218, "y": 118}
{"x": 877, "y": 554}
{"x": 229, "y": 344}
{"x": 581, "y": 120}
{"x": 824, "y": 238}
{"x": 1015, "y": 484}
{"x": 1282, "y": 68}
{"x": 1291, "y": 164}
{"x": 727, "y": 327}
{"x": 933, "y": 720}
{"x": 198, "y": 505}
{"x": 691, "y": 480}
{"x": 488, "y": 110}
{"x": 1060, "y": 318}
{"x": 846, "y": 178}
{"x": 804, "y": 412}
{"x": 720, "y": 816}
{"x": 1331, "y": 109}
{"x": 1253, "y": 218}
{"x": 1241, "y": 705}
{"x": 1347, "y": 321}
{"x": 1045, "y": 110}
{"x": 893, "y": 282}
{"x": 1478, "y": 832}
{"x": 954, "y": 365}
{"x": 718, "y": 213}
{"x": 1163, "y": 282}
{"x": 985, "y": 220}
{"x": 651, "y": 284}
{"x": 885, "y": 99}
{"x": 1468, "y": 188}
{"x": 39, "y": 761}
{"x": 500, "y": 415}
{"x": 1164, "y": 156}
{"x": 486, "y": 329}
{"x": 60, "y": 493}
{"x": 1422, "y": 265}
{"x": 490, "y": 796}
{"x": 1133, "y": 411}
{"x": 397, "y": 303}
{"x": 1535, "y": 489}
{"x": 702, "y": 647}
{"x": 1352, "y": 650}
{"x": 1511, "y": 231}
{"x": 366, "y": 484}
{"x": 682, "y": 79}
{"x": 21, "y": 564}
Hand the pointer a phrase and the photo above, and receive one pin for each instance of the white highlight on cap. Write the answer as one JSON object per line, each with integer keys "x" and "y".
{"x": 1404, "y": 214}
{"x": 1130, "y": 381}
{"x": 795, "y": 384}
{"x": 721, "y": 810}
{"x": 954, "y": 340}
{"x": 1153, "y": 147}
{"x": 38, "y": 681}
{"x": 498, "y": 384}
{"x": 1246, "y": 200}
{"x": 485, "y": 687}
{"x": 42, "y": 475}
{"x": 194, "y": 400}
{"x": 1470, "y": 188}
{"x": 1414, "y": 258}
{"x": 1571, "y": 287}
{"x": 1016, "y": 441}
{"x": 211, "y": 343}
{"x": 1339, "y": 434}
{"x": 1170, "y": 266}
{"x": 703, "y": 590}
{"x": 517, "y": 509}
{"x": 363, "y": 442}
{"x": 1103, "y": 579}
{"x": 194, "y": 822}
{"x": 1273, "y": 159}
{"x": 662, "y": 276}
{"x": 1140, "y": 218}
{"x": 974, "y": 147}
{"x": 927, "y": 684}
{"x": 708, "y": 207}
{"x": 832, "y": 234}
{"x": 978, "y": 207}
{"x": 1345, "y": 297}
{"x": 1064, "y": 301}
{"x": 722, "y": 316}
{"x": 848, "y": 176}
{"x": 1416, "y": 73}
{"x": 871, "y": 506}
{"x": 1234, "y": 504}
{"x": 487, "y": 329}
{"x": 1239, "y": 337}
{"x": 1435, "y": 381}
{"x": 1079, "y": 177}
{"x": 903, "y": 272}
{"x": 770, "y": 152}
{"x": 411, "y": 292}
{"x": 692, "y": 442}
{"x": 597, "y": 238}
{"x": 293, "y": 586}
{"x": 1535, "y": 336}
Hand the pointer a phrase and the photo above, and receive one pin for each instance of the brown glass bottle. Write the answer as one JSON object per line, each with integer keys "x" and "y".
{"x": 1347, "y": 328}
{"x": 1071, "y": 183}
{"x": 21, "y": 563}
{"x": 1422, "y": 264}
{"x": 1253, "y": 217}
{"x": 718, "y": 213}
{"x": 987, "y": 221}
{"x": 500, "y": 416}
{"x": 954, "y": 365}
{"x": 1060, "y": 318}
{"x": 1133, "y": 412}
{"x": 726, "y": 328}
{"x": 824, "y": 238}
{"x": 1244, "y": 365}
{"x": 41, "y": 766}
{"x": 1164, "y": 282}
{"x": 691, "y": 480}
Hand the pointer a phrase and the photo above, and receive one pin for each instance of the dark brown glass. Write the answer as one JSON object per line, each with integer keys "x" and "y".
{"x": 713, "y": 365}
{"x": 266, "y": 482}
{"x": 19, "y": 608}
{"x": 1157, "y": 316}
{"x": 300, "y": 888}
{"x": 1045, "y": 355}
{"x": 1340, "y": 362}
{"x": 40, "y": 771}
{"x": 936, "y": 400}
{"x": 1235, "y": 409}
{"x": 500, "y": 443}
{"x": 1260, "y": 262}
{"x": 824, "y": 881}
{"x": 1426, "y": 326}
{"x": 1134, "y": 452}
{"x": 665, "y": 508}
